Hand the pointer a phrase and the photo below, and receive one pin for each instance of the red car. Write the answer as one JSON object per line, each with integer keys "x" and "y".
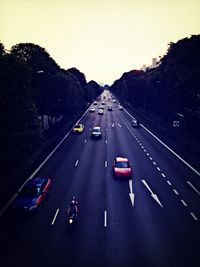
{"x": 122, "y": 168}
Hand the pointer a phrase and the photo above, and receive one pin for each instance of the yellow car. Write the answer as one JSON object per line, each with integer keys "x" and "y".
{"x": 78, "y": 128}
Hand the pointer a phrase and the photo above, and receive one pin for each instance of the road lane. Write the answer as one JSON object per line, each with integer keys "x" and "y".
{"x": 143, "y": 235}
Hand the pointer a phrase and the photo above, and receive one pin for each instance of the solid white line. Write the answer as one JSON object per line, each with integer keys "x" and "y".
{"x": 106, "y": 163}
{"x": 55, "y": 217}
{"x": 175, "y": 192}
{"x": 76, "y": 163}
{"x": 163, "y": 175}
{"x": 158, "y": 169}
{"x": 193, "y": 187}
{"x": 85, "y": 141}
{"x": 192, "y": 168}
{"x": 169, "y": 183}
{"x": 183, "y": 202}
{"x": 194, "y": 216}
{"x": 154, "y": 163}
{"x": 105, "y": 218}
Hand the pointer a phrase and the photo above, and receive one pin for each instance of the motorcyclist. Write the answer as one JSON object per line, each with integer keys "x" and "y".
{"x": 73, "y": 208}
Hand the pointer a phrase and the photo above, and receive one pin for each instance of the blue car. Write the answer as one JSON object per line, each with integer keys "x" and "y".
{"x": 32, "y": 195}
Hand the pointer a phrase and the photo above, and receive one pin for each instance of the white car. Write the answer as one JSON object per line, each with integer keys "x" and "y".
{"x": 96, "y": 133}
{"x": 120, "y": 107}
{"x": 100, "y": 112}
{"x": 92, "y": 109}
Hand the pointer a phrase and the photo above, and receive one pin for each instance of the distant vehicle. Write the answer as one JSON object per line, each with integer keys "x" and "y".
{"x": 114, "y": 101}
{"x": 109, "y": 108}
{"x": 96, "y": 133}
{"x": 95, "y": 103}
{"x": 103, "y": 103}
{"x": 101, "y": 107}
{"x": 122, "y": 168}
{"x": 100, "y": 112}
{"x": 135, "y": 123}
{"x": 92, "y": 109}
{"x": 32, "y": 195}
{"x": 120, "y": 107}
{"x": 78, "y": 128}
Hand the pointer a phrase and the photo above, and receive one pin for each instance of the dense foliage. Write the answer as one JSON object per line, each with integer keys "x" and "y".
{"x": 33, "y": 87}
{"x": 171, "y": 91}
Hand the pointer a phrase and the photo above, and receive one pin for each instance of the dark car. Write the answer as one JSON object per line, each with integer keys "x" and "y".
{"x": 32, "y": 195}
{"x": 135, "y": 123}
{"x": 96, "y": 133}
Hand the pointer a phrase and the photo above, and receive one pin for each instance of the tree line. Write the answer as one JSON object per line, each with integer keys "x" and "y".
{"x": 33, "y": 86}
{"x": 170, "y": 91}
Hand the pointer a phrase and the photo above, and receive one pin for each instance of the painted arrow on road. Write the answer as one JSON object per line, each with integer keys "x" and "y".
{"x": 152, "y": 194}
{"x": 131, "y": 194}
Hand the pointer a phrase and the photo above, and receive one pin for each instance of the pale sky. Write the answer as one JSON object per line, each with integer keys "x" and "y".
{"x": 103, "y": 39}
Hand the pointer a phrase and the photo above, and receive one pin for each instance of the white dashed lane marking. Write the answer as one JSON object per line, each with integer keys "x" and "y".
{"x": 76, "y": 164}
{"x": 169, "y": 183}
{"x": 54, "y": 218}
{"x": 105, "y": 218}
{"x": 163, "y": 175}
{"x": 175, "y": 191}
{"x": 184, "y": 203}
{"x": 194, "y": 216}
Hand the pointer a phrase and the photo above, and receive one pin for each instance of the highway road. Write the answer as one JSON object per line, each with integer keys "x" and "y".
{"x": 158, "y": 224}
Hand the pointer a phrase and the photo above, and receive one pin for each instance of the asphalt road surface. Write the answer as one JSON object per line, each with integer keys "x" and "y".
{"x": 157, "y": 225}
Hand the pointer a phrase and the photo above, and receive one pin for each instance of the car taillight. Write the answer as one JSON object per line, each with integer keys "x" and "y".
{"x": 39, "y": 200}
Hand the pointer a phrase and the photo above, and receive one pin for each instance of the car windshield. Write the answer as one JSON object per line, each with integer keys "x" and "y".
{"x": 96, "y": 130}
{"x": 78, "y": 126}
{"x": 30, "y": 191}
{"x": 121, "y": 165}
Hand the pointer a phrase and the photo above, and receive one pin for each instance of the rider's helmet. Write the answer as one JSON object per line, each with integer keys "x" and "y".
{"x": 73, "y": 201}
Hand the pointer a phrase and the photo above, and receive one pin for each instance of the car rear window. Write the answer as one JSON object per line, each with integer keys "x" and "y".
{"x": 30, "y": 191}
{"x": 121, "y": 164}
